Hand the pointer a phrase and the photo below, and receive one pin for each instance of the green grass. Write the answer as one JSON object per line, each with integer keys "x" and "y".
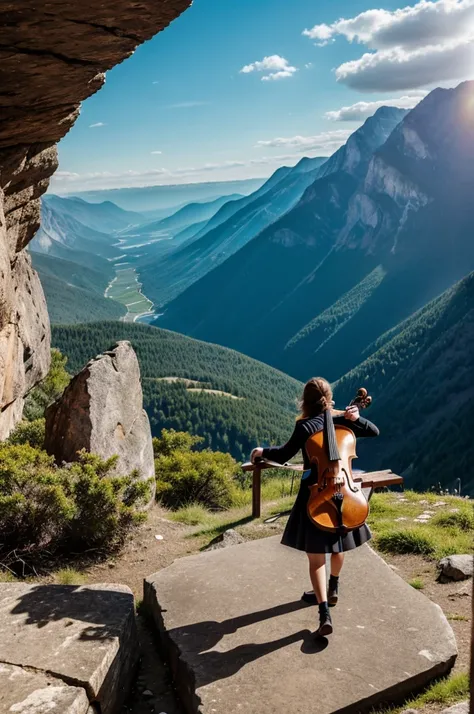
{"x": 445, "y": 692}
{"x": 194, "y": 515}
{"x": 417, "y": 583}
{"x": 7, "y": 577}
{"x": 448, "y": 531}
{"x": 459, "y": 618}
{"x": 463, "y": 519}
{"x": 69, "y": 576}
{"x": 273, "y": 490}
{"x": 414, "y": 540}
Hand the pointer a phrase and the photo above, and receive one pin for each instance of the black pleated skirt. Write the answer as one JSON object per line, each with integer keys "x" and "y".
{"x": 302, "y": 534}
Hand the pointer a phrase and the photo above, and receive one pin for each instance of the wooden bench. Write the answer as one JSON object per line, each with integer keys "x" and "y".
{"x": 369, "y": 481}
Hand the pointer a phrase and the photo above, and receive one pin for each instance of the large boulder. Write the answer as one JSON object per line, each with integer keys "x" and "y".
{"x": 102, "y": 412}
{"x": 239, "y": 638}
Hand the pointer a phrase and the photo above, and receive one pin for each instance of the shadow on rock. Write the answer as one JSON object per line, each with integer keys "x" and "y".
{"x": 104, "y": 609}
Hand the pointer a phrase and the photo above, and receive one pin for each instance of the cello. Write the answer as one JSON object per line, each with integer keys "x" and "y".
{"x": 336, "y": 502}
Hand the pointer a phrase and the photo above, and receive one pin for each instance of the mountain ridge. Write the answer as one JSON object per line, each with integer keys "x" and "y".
{"x": 392, "y": 215}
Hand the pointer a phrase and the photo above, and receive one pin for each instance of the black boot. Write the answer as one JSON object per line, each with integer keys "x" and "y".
{"x": 310, "y": 597}
{"x": 325, "y": 622}
{"x": 333, "y": 590}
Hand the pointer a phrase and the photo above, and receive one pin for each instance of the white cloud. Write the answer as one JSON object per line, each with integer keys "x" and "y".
{"x": 308, "y": 65}
{"x": 415, "y": 46}
{"x": 96, "y": 125}
{"x": 392, "y": 70}
{"x": 64, "y": 182}
{"x": 157, "y": 152}
{"x": 274, "y": 67}
{"x": 320, "y": 32}
{"x": 327, "y": 142}
{"x": 362, "y": 110}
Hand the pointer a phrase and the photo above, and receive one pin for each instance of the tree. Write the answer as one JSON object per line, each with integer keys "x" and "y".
{"x": 47, "y": 391}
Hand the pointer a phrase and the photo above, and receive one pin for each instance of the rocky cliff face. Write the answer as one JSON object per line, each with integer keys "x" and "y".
{"x": 52, "y": 56}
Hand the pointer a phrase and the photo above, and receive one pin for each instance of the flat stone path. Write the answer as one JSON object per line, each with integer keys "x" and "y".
{"x": 239, "y": 637}
{"x": 63, "y": 648}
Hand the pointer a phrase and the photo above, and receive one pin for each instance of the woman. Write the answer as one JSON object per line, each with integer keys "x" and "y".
{"x": 300, "y": 531}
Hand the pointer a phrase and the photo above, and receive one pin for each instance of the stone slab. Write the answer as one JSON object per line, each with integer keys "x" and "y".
{"x": 83, "y": 636}
{"x": 239, "y": 637}
{"x": 27, "y": 692}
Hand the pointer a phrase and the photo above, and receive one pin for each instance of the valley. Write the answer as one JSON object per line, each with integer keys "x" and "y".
{"x": 125, "y": 289}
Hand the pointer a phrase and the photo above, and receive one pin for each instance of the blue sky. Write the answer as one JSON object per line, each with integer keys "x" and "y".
{"x": 203, "y": 94}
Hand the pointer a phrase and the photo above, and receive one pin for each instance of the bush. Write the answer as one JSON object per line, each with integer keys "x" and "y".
{"x": 48, "y": 510}
{"x": 185, "y": 477}
{"x": 34, "y": 506}
{"x": 105, "y": 505}
{"x": 47, "y": 391}
{"x": 171, "y": 440}
{"x": 409, "y": 540}
{"x": 28, "y": 432}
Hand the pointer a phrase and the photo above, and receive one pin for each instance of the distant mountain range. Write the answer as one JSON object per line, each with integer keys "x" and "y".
{"x": 169, "y": 198}
{"x": 105, "y": 217}
{"x": 383, "y": 230}
{"x": 188, "y": 215}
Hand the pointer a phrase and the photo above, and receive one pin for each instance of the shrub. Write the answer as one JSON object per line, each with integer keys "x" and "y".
{"x": 186, "y": 477}
{"x": 409, "y": 540}
{"x": 28, "y": 432}
{"x": 171, "y": 440}
{"x": 34, "y": 507}
{"x": 52, "y": 386}
{"x": 105, "y": 505}
{"x": 45, "y": 509}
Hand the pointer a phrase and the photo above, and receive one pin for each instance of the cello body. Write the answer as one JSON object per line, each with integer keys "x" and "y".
{"x": 336, "y": 503}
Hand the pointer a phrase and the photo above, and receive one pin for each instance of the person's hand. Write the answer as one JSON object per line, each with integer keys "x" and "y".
{"x": 256, "y": 454}
{"x": 352, "y": 413}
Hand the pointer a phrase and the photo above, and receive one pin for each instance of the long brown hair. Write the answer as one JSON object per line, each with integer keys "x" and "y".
{"x": 316, "y": 397}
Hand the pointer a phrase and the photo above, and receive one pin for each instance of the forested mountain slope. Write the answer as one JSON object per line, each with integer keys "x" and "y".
{"x": 231, "y": 400}
{"x": 75, "y": 293}
{"x": 421, "y": 375}
{"x": 232, "y": 227}
{"x": 356, "y": 256}
{"x": 72, "y": 305}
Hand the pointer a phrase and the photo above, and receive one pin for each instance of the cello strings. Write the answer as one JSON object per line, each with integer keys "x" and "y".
{"x": 330, "y": 434}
